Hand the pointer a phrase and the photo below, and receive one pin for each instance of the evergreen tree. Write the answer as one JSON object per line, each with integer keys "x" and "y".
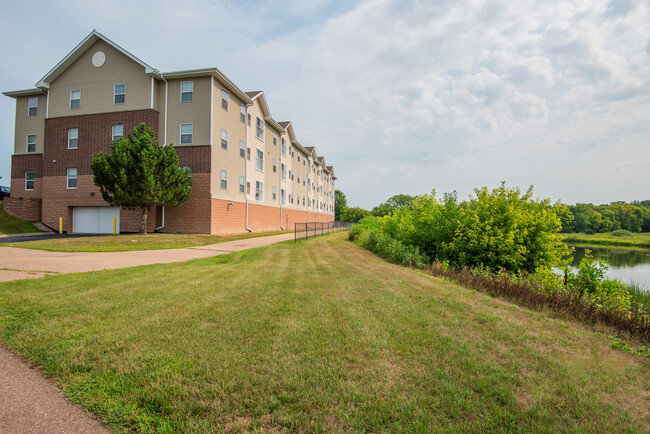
{"x": 138, "y": 173}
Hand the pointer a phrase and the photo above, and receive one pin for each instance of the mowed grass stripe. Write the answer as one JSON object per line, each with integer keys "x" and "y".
{"x": 315, "y": 336}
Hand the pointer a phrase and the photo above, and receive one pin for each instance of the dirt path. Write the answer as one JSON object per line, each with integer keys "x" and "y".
{"x": 30, "y": 403}
{"x": 17, "y": 263}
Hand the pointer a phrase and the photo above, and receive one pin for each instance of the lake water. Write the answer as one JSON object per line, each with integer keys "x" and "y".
{"x": 625, "y": 265}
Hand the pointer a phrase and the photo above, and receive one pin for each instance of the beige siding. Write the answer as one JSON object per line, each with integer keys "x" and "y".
{"x": 226, "y": 159}
{"x": 196, "y": 112}
{"x": 26, "y": 125}
{"x": 273, "y": 178}
{"x": 254, "y": 143}
{"x": 96, "y": 84}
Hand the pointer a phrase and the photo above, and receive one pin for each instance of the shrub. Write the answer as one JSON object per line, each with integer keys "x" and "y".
{"x": 622, "y": 233}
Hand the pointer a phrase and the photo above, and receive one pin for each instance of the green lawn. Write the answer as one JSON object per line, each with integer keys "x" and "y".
{"x": 128, "y": 242}
{"x": 641, "y": 240}
{"x": 13, "y": 225}
{"x": 316, "y": 336}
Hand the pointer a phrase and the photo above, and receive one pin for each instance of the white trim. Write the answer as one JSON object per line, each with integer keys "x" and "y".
{"x": 70, "y": 105}
{"x": 180, "y": 133}
{"x": 67, "y": 178}
{"x": 256, "y": 159}
{"x": 151, "y": 93}
{"x": 211, "y": 108}
{"x": 27, "y": 144}
{"x": 116, "y": 94}
{"x": 180, "y": 96}
{"x": 166, "y": 99}
{"x": 33, "y": 180}
{"x": 47, "y": 105}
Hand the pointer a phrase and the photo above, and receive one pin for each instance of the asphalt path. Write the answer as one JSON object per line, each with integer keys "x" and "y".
{"x": 45, "y": 236}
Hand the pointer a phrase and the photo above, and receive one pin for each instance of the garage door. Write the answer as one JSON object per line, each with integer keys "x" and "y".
{"x": 94, "y": 219}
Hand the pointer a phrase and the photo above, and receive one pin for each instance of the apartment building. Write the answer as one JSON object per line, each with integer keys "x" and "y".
{"x": 249, "y": 171}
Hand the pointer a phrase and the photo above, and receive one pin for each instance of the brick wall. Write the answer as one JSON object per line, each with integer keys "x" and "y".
{"x": 21, "y": 164}
{"x": 192, "y": 217}
{"x": 25, "y": 208}
{"x": 95, "y": 136}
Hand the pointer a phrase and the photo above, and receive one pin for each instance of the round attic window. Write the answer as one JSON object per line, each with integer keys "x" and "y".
{"x": 98, "y": 59}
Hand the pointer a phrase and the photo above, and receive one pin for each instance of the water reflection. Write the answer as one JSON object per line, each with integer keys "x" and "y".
{"x": 625, "y": 265}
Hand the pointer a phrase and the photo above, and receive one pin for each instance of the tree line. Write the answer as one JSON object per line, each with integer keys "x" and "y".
{"x": 580, "y": 218}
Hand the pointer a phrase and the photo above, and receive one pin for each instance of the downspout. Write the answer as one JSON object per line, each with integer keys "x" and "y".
{"x": 165, "y": 137}
{"x": 246, "y": 167}
{"x": 280, "y": 159}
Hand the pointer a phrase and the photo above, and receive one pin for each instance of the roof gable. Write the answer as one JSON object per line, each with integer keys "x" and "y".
{"x": 79, "y": 50}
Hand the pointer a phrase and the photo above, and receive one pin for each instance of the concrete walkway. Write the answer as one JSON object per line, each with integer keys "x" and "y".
{"x": 30, "y": 403}
{"x": 17, "y": 263}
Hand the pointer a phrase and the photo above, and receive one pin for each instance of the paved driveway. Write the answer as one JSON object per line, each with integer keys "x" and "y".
{"x": 17, "y": 263}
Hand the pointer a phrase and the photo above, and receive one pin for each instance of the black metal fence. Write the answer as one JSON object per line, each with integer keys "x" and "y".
{"x": 313, "y": 229}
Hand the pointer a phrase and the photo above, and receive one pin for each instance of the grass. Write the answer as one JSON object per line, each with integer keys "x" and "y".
{"x": 13, "y": 225}
{"x": 639, "y": 240}
{"x": 129, "y": 242}
{"x": 316, "y": 336}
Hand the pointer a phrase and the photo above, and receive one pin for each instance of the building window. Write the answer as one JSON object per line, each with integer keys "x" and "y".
{"x": 29, "y": 180}
{"x": 283, "y": 147}
{"x": 298, "y": 177}
{"x": 298, "y": 158}
{"x": 259, "y": 190}
{"x": 72, "y": 178}
{"x": 303, "y": 201}
{"x": 259, "y": 159}
{"x": 275, "y": 192}
{"x": 242, "y": 184}
{"x": 242, "y": 149}
{"x": 119, "y": 93}
{"x": 73, "y": 138}
{"x": 275, "y": 138}
{"x": 224, "y": 99}
{"x": 248, "y": 153}
{"x": 283, "y": 196}
{"x": 75, "y": 98}
{"x": 32, "y": 107}
{"x": 224, "y": 139}
{"x": 283, "y": 168}
{"x": 275, "y": 165}
{"x": 118, "y": 132}
{"x": 186, "y": 133}
{"x": 242, "y": 113}
{"x": 187, "y": 91}
{"x": 291, "y": 198}
{"x": 224, "y": 179}
{"x": 188, "y": 170}
{"x": 248, "y": 188}
{"x": 297, "y": 198}
{"x": 259, "y": 128}
{"x": 31, "y": 142}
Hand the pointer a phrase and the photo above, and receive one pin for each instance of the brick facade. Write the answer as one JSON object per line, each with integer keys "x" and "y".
{"x": 24, "y": 207}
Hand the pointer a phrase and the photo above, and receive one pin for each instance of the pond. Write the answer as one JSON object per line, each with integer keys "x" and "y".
{"x": 626, "y": 265}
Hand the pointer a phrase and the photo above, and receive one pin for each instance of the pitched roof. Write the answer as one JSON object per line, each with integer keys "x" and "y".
{"x": 216, "y": 73}
{"x": 80, "y": 49}
{"x": 254, "y": 94}
{"x": 285, "y": 124}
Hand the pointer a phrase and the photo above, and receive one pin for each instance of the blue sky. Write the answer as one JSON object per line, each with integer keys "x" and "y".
{"x": 400, "y": 96}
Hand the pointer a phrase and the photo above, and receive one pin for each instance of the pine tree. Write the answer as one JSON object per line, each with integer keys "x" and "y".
{"x": 139, "y": 173}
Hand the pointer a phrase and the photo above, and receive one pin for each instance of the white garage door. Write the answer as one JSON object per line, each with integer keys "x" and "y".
{"x": 94, "y": 219}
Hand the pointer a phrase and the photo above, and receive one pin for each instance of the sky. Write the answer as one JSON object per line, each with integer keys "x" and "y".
{"x": 399, "y": 96}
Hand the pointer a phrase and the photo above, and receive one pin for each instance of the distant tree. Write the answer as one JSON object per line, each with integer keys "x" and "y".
{"x": 138, "y": 173}
{"x": 355, "y": 214}
{"x": 393, "y": 203}
{"x": 340, "y": 205}
{"x": 566, "y": 217}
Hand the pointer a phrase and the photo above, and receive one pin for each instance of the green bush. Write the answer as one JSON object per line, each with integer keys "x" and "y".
{"x": 622, "y": 233}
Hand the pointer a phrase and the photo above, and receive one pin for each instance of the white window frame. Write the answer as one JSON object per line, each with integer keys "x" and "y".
{"x": 259, "y": 159}
{"x": 275, "y": 138}
{"x": 31, "y": 106}
{"x": 224, "y": 140}
{"x": 242, "y": 148}
{"x": 283, "y": 147}
{"x": 191, "y": 134}
{"x": 71, "y": 176}
{"x": 114, "y": 133}
{"x": 29, "y": 180}
{"x": 242, "y": 184}
{"x": 224, "y": 179}
{"x": 259, "y": 128}
{"x": 275, "y": 192}
{"x": 28, "y": 143}
{"x": 283, "y": 196}
{"x": 242, "y": 113}
{"x": 259, "y": 191}
{"x": 190, "y": 92}
{"x": 73, "y": 138}
{"x": 75, "y": 99}
{"x": 275, "y": 165}
{"x": 225, "y": 98}
{"x": 116, "y": 94}
{"x": 283, "y": 171}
